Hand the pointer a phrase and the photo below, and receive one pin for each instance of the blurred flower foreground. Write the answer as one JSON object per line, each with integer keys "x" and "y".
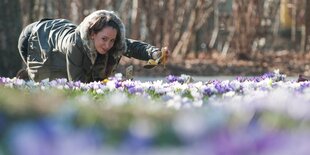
{"x": 249, "y": 115}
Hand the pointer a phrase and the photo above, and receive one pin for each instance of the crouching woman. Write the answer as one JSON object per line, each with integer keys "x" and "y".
{"x": 90, "y": 51}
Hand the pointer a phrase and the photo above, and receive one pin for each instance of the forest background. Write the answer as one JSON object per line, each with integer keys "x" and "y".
{"x": 205, "y": 37}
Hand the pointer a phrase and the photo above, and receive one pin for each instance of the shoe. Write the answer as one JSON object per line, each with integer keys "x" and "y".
{"x": 302, "y": 78}
{"x": 22, "y": 74}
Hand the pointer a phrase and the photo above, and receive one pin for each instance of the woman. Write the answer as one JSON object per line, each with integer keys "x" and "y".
{"x": 56, "y": 48}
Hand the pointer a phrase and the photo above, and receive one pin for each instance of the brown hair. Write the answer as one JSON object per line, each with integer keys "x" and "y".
{"x": 96, "y": 21}
{"x": 101, "y": 23}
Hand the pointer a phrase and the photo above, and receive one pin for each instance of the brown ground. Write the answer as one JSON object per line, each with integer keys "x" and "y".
{"x": 213, "y": 64}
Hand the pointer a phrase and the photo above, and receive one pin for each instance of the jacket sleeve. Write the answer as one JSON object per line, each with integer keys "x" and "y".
{"x": 74, "y": 60}
{"x": 139, "y": 50}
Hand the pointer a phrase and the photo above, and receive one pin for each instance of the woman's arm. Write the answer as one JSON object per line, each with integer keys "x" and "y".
{"x": 74, "y": 60}
{"x": 140, "y": 50}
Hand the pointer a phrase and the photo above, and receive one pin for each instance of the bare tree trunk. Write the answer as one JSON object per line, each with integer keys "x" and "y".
{"x": 10, "y": 28}
{"x": 200, "y": 11}
{"x": 293, "y": 26}
{"x": 135, "y": 19}
{"x": 246, "y": 22}
{"x": 76, "y": 12}
{"x": 181, "y": 47}
{"x": 216, "y": 26}
{"x": 168, "y": 23}
{"x": 307, "y": 27}
{"x": 27, "y": 12}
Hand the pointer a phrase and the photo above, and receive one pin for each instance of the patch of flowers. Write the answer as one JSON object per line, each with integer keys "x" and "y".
{"x": 177, "y": 115}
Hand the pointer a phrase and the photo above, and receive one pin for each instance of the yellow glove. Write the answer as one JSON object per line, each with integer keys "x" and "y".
{"x": 159, "y": 57}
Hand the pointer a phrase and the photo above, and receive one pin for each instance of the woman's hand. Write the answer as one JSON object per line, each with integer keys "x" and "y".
{"x": 164, "y": 56}
{"x": 159, "y": 57}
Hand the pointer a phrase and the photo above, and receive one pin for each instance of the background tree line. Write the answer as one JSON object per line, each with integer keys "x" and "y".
{"x": 239, "y": 27}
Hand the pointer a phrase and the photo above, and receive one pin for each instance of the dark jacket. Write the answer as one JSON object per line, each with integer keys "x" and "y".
{"x": 58, "y": 48}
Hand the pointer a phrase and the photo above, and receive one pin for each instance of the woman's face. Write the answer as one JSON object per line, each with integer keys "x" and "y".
{"x": 104, "y": 39}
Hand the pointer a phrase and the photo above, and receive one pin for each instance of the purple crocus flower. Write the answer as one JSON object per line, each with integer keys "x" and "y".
{"x": 61, "y": 81}
{"x": 95, "y": 85}
{"x": 241, "y": 79}
{"x": 74, "y": 84}
{"x": 222, "y": 88}
{"x": 268, "y": 75}
{"x": 208, "y": 91}
{"x": 129, "y": 85}
{"x": 4, "y": 80}
{"x": 303, "y": 86}
{"x": 133, "y": 90}
{"x": 171, "y": 78}
{"x": 118, "y": 84}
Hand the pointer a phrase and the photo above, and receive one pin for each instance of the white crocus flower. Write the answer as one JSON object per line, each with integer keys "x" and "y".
{"x": 117, "y": 98}
{"x": 175, "y": 102}
{"x": 229, "y": 94}
{"x": 111, "y": 85}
